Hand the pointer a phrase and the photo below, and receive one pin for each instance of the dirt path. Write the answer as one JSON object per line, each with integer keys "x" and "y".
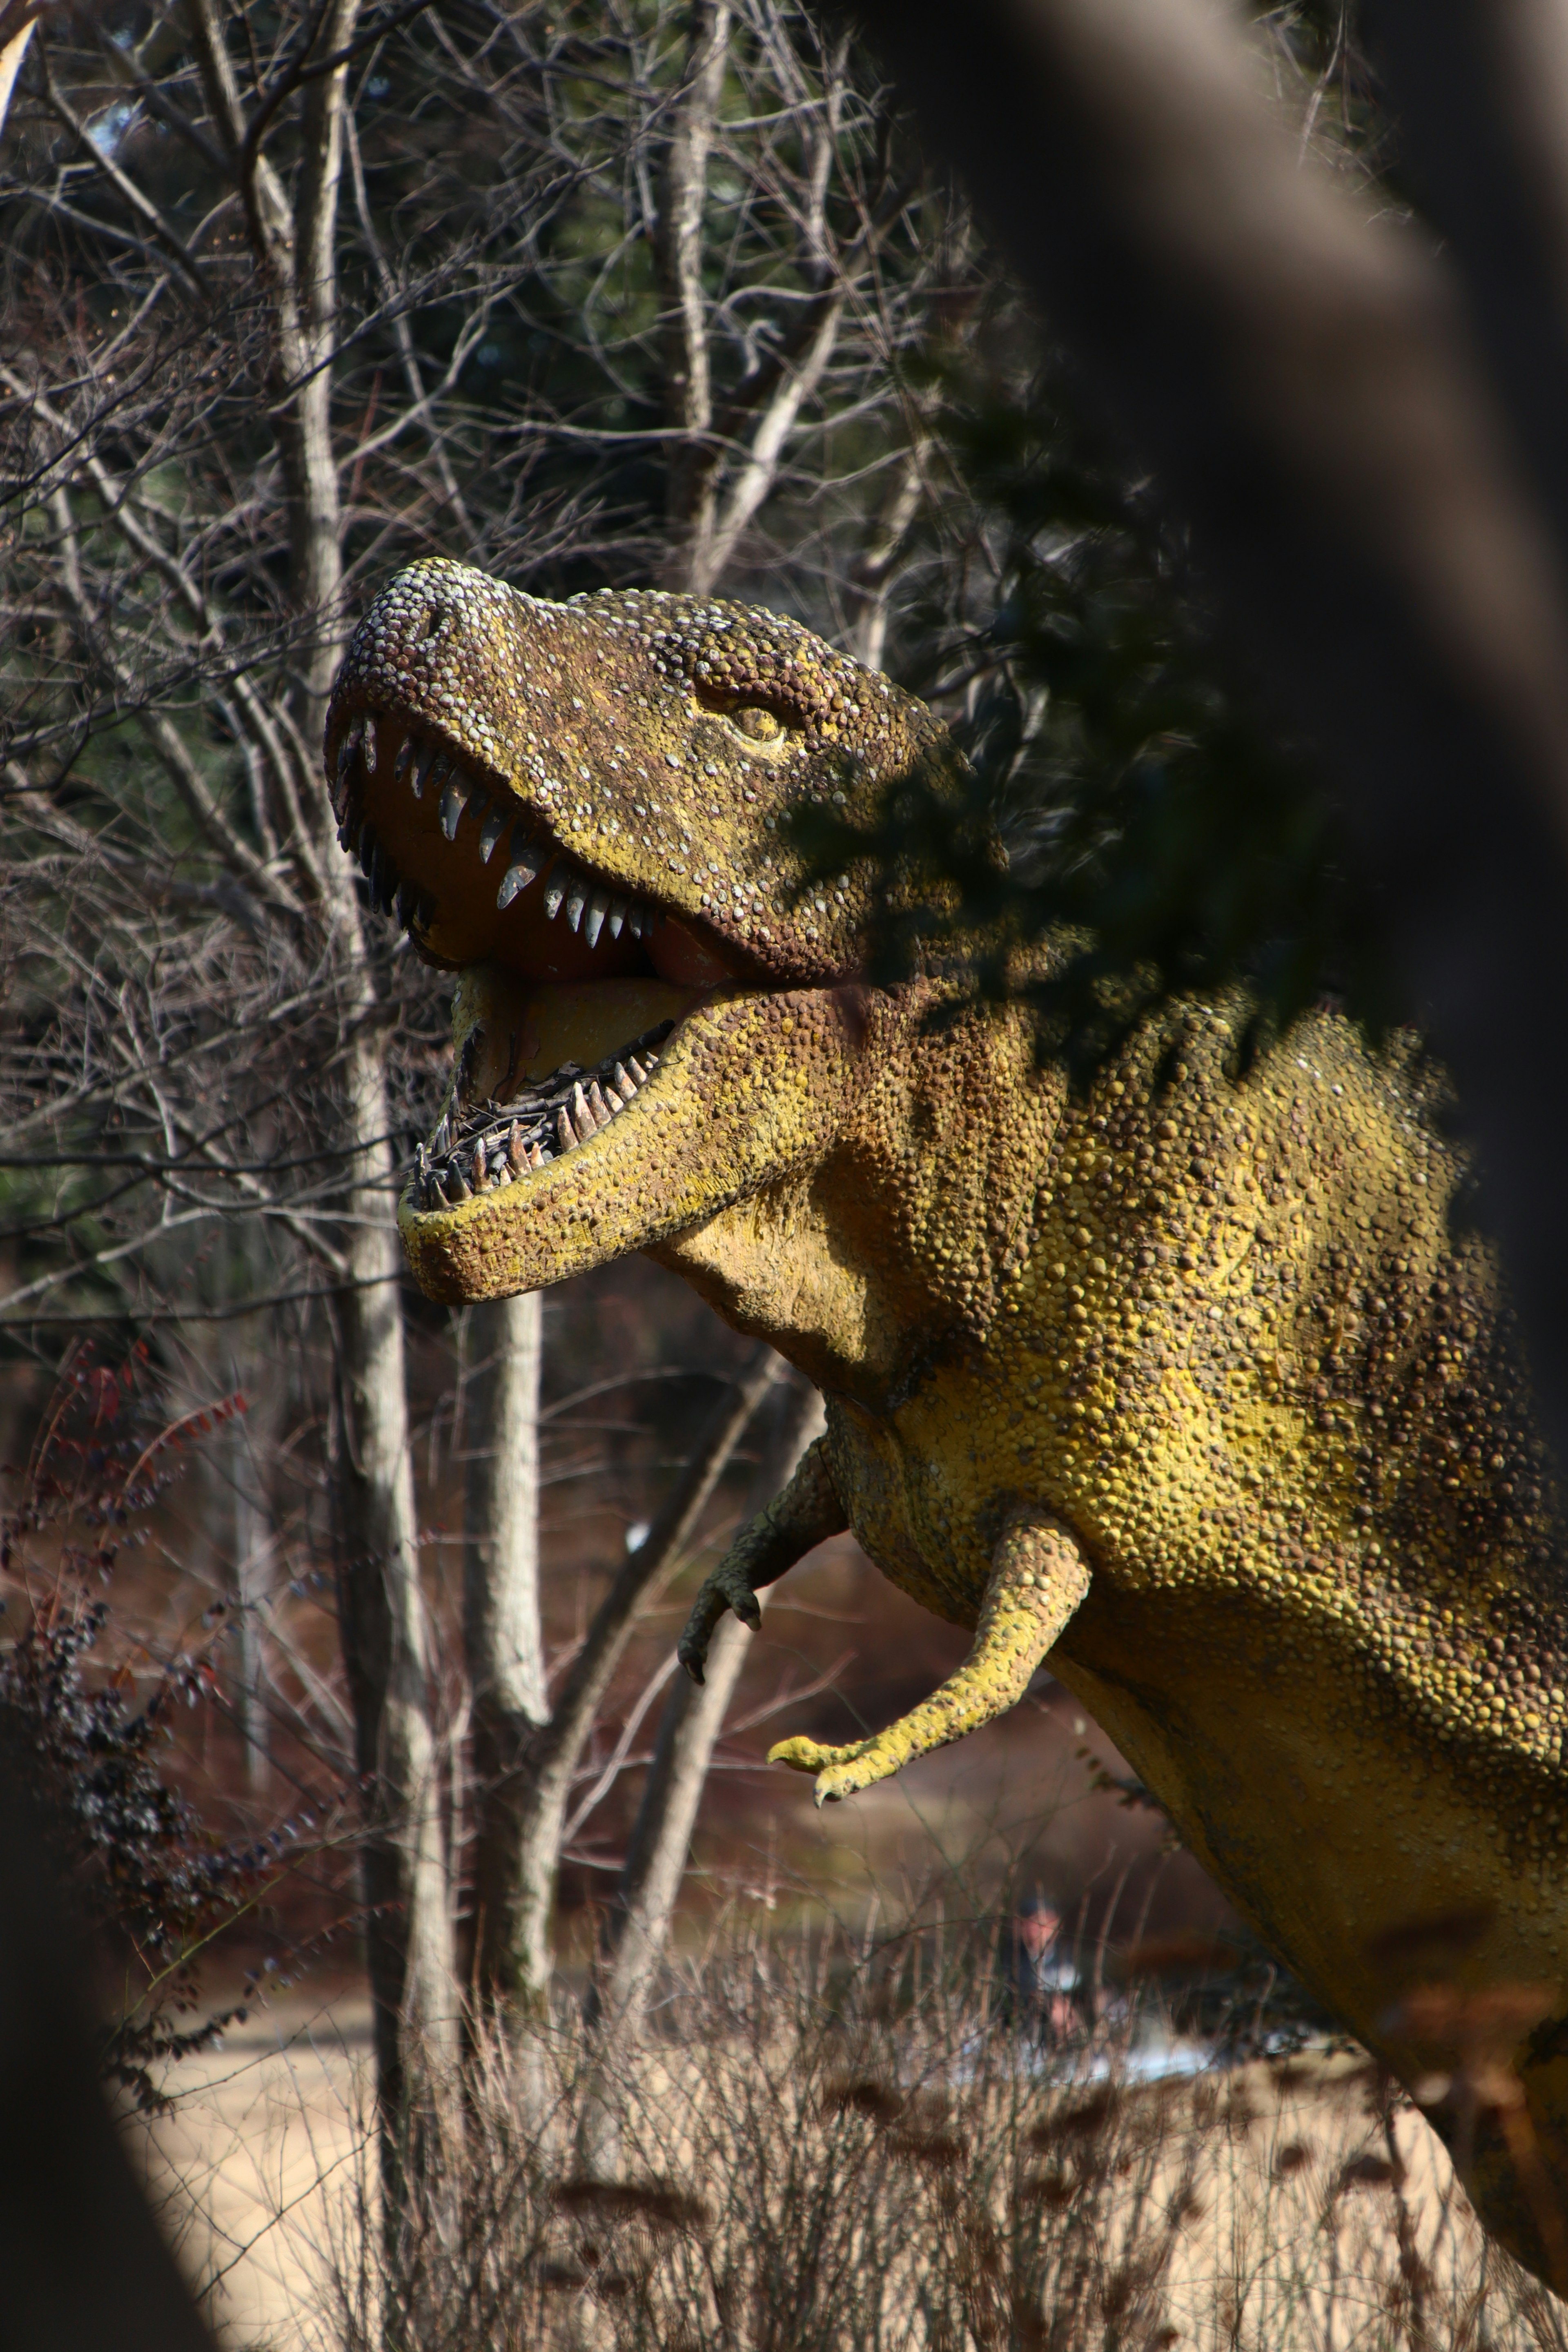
{"x": 260, "y": 2167}
{"x": 1289, "y": 2207}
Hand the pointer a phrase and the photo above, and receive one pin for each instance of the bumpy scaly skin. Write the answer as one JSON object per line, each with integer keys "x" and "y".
{"x": 1213, "y": 1353}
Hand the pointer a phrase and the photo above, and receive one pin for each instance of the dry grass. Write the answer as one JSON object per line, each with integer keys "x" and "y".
{"x": 826, "y": 2151}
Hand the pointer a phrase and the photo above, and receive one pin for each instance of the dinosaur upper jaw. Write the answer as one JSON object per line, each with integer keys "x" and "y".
{"x": 622, "y": 1071}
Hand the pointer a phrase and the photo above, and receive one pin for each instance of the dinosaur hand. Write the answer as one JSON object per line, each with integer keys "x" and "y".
{"x": 839, "y": 1771}
{"x": 727, "y": 1587}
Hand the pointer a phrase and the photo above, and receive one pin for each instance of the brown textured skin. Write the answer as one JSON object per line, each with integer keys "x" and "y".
{"x": 1225, "y": 1334}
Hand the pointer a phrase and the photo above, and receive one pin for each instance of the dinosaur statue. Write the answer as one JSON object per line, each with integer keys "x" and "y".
{"x": 1190, "y": 1385}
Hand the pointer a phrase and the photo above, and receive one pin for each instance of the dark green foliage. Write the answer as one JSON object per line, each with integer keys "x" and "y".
{"x": 1150, "y": 816}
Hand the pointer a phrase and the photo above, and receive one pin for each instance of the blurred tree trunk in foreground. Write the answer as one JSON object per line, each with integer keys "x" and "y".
{"x": 1365, "y": 440}
{"x": 85, "y": 2269}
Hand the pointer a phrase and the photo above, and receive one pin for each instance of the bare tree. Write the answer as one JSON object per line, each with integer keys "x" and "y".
{"x": 542, "y": 1788}
{"x": 589, "y": 295}
{"x": 638, "y": 1924}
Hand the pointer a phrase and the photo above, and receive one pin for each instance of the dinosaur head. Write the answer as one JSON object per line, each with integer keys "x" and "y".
{"x": 579, "y": 809}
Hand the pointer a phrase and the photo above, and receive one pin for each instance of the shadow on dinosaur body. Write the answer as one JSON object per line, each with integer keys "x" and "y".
{"x": 1190, "y": 1385}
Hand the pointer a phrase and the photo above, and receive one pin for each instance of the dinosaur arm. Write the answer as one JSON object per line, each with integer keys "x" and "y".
{"x": 1038, "y": 1577}
{"x": 803, "y": 1515}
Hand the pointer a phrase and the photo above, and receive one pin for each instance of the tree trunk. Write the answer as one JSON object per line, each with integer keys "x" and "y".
{"x": 381, "y": 1623}
{"x": 678, "y": 255}
{"x": 694, "y": 1714}
{"x": 546, "y": 1776}
{"x": 385, "y": 1644}
{"x": 502, "y": 1640}
{"x": 252, "y": 1552}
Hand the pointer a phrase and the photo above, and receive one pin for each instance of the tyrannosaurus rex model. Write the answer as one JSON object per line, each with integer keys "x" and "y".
{"x": 1189, "y": 1385}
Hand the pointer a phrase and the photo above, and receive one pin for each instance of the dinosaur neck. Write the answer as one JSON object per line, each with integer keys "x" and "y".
{"x": 893, "y": 1249}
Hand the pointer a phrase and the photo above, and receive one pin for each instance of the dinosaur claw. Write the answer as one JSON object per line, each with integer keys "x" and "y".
{"x": 689, "y": 1655}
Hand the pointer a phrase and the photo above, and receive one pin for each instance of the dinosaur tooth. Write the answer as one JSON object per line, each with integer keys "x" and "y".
{"x": 624, "y": 1085}
{"x": 441, "y": 1141}
{"x": 408, "y": 897}
{"x": 403, "y": 760}
{"x": 438, "y": 1188}
{"x": 639, "y": 1074}
{"x": 453, "y": 801}
{"x": 565, "y": 1131}
{"x": 616, "y": 915}
{"x": 491, "y": 833}
{"x": 430, "y": 767}
{"x": 589, "y": 1110}
{"x": 525, "y": 864}
{"x": 576, "y": 900}
{"x": 371, "y": 747}
{"x": 481, "y": 1162}
{"x": 538, "y": 1157}
{"x": 555, "y": 892}
{"x": 517, "y": 1157}
{"x": 598, "y": 908}
{"x": 347, "y": 750}
{"x": 461, "y": 1184}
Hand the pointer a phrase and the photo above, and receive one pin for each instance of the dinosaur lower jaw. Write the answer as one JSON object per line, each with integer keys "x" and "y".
{"x": 583, "y": 1162}
{"x": 540, "y": 1067}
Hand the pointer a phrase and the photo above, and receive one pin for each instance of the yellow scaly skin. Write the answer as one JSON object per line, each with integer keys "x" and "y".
{"x": 1190, "y": 1384}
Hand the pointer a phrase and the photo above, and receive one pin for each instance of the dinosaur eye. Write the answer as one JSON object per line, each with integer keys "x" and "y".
{"x": 769, "y": 725}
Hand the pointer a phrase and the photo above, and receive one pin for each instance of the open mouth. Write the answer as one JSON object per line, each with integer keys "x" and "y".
{"x": 584, "y": 812}
{"x": 569, "y": 990}
{"x": 478, "y": 1145}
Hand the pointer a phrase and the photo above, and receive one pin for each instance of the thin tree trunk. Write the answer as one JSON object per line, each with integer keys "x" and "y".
{"x": 386, "y": 1645}
{"x": 871, "y": 573}
{"x": 678, "y": 251}
{"x": 502, "y": 1639}
{"x": 382, "y": 1620}
{"x": 545, "y": 1779}
{"x": 252, "y": 1547}
{"x": 637, "y": 1927}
